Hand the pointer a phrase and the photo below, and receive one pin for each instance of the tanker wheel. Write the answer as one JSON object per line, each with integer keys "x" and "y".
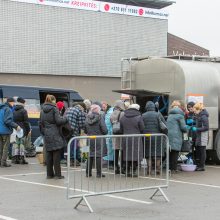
{"x": 217, "y": 147}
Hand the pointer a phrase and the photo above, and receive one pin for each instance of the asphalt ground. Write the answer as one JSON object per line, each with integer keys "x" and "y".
{"x": 26, "y": 194}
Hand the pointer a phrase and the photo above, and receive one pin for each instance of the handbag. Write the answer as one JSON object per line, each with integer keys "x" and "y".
{"x": 187, "y": 144}
{"x": 116, "y": 127}
{"x": 162, "y": 126}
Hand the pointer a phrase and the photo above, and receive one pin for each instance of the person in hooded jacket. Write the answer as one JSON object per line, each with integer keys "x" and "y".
{"x": 202, "y": 134}
{"x": 153, "y": 145}
{"x": 132, "y": 123}
{"x": 21, "y": 118}
{"x": 116, "y": 115}
{"x": 6, "y": 128}
{"x": 176, "y": 127}
{"x": 95, "y": 125}
{"x": 50, "y": 121}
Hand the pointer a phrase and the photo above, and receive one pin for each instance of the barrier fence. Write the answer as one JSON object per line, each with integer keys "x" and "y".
{"x": 139, "y": 162}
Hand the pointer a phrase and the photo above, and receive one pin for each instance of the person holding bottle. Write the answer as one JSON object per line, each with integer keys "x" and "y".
{"x": 202, "y": 134}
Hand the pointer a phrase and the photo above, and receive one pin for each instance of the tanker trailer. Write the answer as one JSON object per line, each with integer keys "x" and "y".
{"x": 186, "y": 78}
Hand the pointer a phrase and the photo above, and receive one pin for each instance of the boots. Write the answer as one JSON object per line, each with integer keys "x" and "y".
{"x": 23, "y": 161}
{"x": 16, "y": 159}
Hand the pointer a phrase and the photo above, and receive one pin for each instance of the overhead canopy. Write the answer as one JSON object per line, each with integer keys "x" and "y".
{"x": 141, "y": 92}
{"x": 158, "y": 4}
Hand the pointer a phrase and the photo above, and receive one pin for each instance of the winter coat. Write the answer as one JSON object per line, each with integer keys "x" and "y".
{"x": 116, "y": 115}
{"x": 132, "y": 123}
{"x": 154, "y": 146}
{"x": 95, "y": 125}
{"x": 6, "y": 120}
{"x": 21, "y": 118}
{"x": 176, "y": 126}
{"x": 202, "y": 125}
{"x": 51, "y": 121}
{"x": 76, "y": 118}
{"x": 109, "y": 141}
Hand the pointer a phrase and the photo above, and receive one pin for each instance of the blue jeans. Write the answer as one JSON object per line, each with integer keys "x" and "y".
{"x": 75, "y": 153}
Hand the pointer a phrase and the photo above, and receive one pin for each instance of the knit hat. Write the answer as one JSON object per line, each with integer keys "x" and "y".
{"x": 95, "y": 108}
{"x": 120, "y": 104}
{"x": 21, "y": 100}
{"x": 88, "y": 103}
{"x": 135, "y": 106}
{"x": 60, "y": 105}
{"x": 10, "y": 99}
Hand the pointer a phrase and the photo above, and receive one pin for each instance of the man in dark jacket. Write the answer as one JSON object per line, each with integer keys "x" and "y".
{"x": 21, "y": 118}
{"x": 6, "y": 128}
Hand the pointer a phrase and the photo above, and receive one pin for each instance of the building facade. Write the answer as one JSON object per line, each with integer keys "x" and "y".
{"x": 50, "y": 45}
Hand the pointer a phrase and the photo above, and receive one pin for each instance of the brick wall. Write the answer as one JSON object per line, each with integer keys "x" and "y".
{"x": 179, "y": 46}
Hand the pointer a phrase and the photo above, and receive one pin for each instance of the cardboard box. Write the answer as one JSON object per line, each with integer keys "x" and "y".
{"x": 40, "y": 158}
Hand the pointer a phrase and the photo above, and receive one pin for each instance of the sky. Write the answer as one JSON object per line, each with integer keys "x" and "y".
{"x": 196, "y": 21}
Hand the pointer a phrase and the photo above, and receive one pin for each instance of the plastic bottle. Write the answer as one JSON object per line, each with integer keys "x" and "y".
{"x": 189, "y": 161}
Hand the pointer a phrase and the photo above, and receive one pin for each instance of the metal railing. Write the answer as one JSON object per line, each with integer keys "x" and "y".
{"x": 139, "y": 162}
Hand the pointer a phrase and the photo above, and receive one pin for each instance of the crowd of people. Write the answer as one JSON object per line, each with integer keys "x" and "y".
{"x": 59, "y": 123}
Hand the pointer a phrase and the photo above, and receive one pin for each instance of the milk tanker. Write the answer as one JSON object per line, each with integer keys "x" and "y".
{"x": 177, "y": 78}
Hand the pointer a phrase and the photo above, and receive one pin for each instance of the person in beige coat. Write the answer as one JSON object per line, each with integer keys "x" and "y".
{"x": 116, "y": 115}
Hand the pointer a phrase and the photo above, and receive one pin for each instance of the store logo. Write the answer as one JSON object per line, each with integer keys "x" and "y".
{"x": 140, "y": 11}
{"x": 106, "y": 7}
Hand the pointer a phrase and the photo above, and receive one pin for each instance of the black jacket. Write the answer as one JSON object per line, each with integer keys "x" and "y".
{"x": 21, "y": 118}
{"x": 202, "y": 124}
{"x": 95, "y": 125}
{"x": 50, "y": 121}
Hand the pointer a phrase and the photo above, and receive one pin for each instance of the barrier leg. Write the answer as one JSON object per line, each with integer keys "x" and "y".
{"x": 163, "y": 194}
{"x": 87, "y": 204}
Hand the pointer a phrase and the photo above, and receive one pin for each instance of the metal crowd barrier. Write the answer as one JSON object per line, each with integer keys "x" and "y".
{"x": 143, "y": 164}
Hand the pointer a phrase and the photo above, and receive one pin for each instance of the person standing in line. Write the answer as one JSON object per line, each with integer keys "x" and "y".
{"x": 110, "y": 151}
{"x": 21, "y": 118}
{"x": 50, "y": 121}
{"x": 116, "y": 115}
{"x": 202, "y": 134}
{"x": 153, "y": 145}
{"x": 6, "y": 128}
{"x": 176, "y": 127}
{"x": 132, "y": 123}
{"x": 76, "y": 117}
{"x": 95, "y": 125}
